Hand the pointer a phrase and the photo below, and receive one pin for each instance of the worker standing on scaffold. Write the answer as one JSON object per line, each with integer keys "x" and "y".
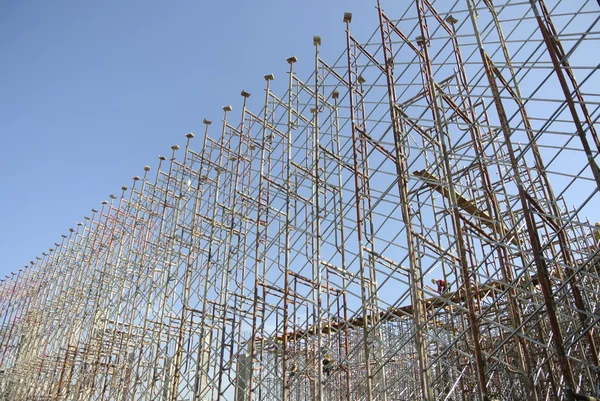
{"x": 596, "y": 234}
{"x": 441, "y": 285}
{"x": 327, "y": 365}
{"x": 293, "y": 371}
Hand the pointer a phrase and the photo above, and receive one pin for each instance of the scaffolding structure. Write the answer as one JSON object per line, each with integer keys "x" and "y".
{"x": 290, "y": 254}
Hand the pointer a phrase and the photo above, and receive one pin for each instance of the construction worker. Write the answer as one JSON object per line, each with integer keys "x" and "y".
{"x": 327, "y": 365}
{"x": 597, "y": 234}
{"x": 293, "y": 370}
{"x": 441, "y": 285}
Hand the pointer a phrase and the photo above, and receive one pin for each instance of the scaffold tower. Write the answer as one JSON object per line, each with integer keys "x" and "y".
{"x": 412, "y": 221}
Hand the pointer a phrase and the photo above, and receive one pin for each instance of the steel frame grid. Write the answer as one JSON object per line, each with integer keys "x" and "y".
{"x": 447, "y": 145}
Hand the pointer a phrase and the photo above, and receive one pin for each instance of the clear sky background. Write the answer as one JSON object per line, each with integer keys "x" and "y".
{"x": 91, "y": 91}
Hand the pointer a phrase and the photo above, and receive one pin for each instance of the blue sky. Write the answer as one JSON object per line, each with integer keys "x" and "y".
{"x": 92, "y": 91}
